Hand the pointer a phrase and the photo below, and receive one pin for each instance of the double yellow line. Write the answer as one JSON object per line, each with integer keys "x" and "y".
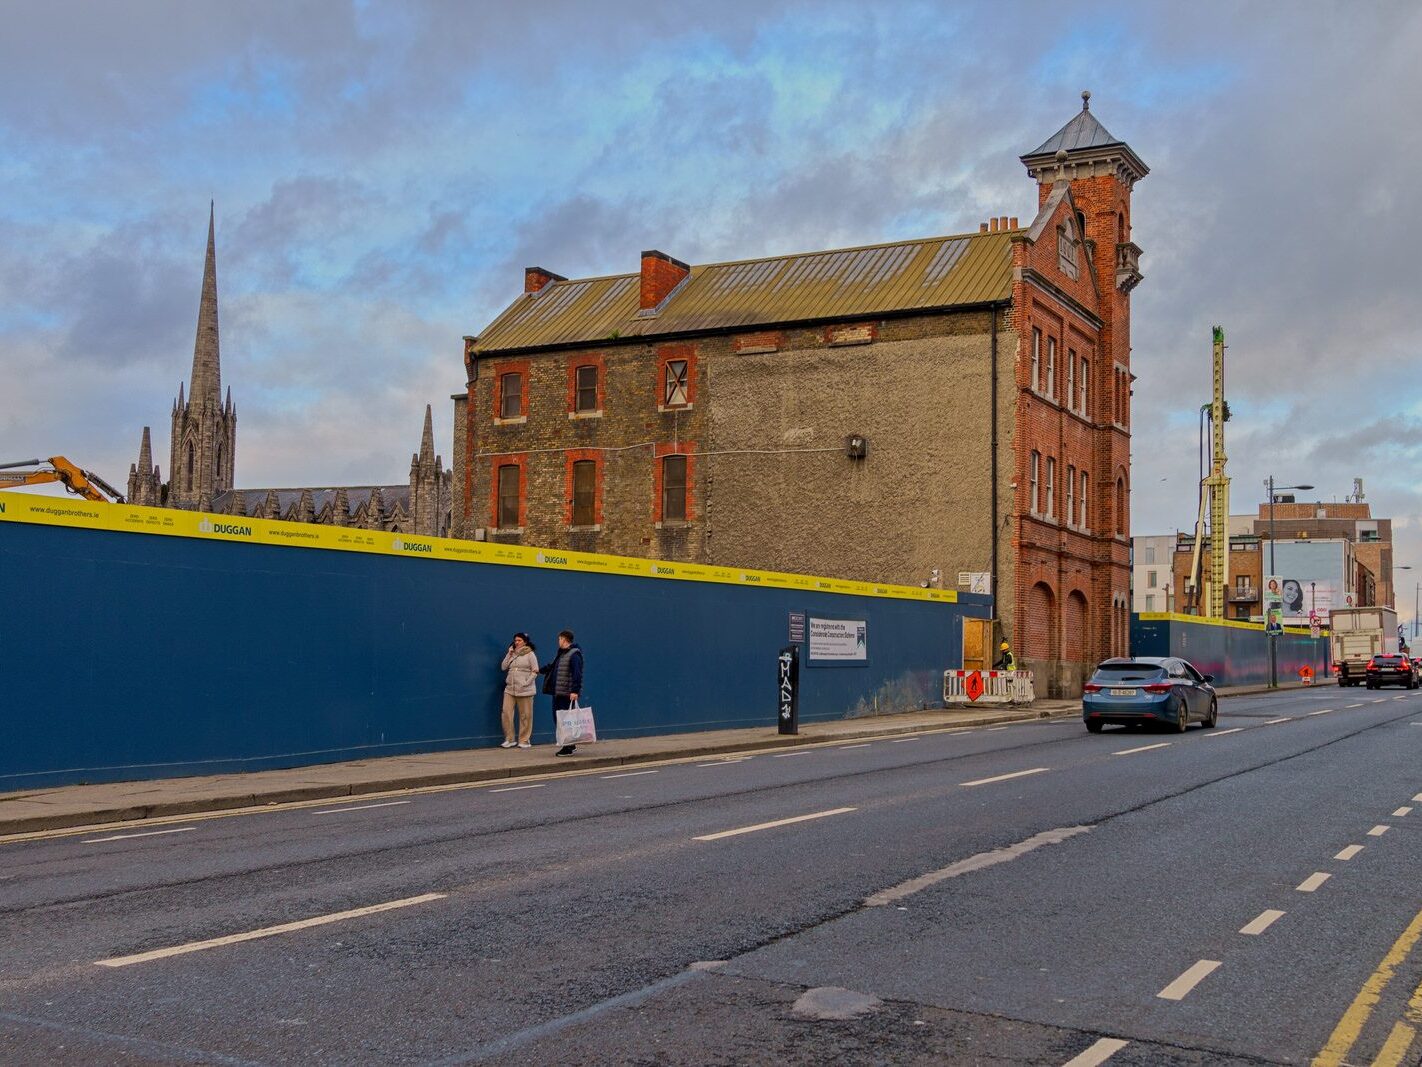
{"x": 1404, "y": 1032}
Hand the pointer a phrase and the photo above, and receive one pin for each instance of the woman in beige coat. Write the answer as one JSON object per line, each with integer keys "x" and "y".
{"x": 520, "y": 683}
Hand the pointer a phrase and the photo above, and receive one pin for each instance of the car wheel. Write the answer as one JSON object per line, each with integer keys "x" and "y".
{"x": 1213, "y": 719}
{"x": 1183, "y": 722}
{"x": 1093, "y": 727}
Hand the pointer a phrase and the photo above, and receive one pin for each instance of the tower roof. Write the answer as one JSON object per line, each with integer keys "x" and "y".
{"x": 207, "y": 368}
{"x": 1084, "y": 138}
{"x": 427, "y": 438}
{"x": 145, "y": 453}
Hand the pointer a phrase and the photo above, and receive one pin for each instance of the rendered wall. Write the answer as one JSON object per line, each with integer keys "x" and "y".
{"x": 139, "y": 656}
{"x": 1235, "y": 653}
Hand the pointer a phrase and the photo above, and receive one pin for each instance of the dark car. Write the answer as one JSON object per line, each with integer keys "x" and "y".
{"x": 1149, "y": 690}
{"x": 1391, "y": 670}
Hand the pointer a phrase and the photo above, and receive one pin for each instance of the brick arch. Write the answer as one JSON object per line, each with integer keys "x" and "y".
{"x": 1041, "y": 622}
{"x": 1076, "y": 637}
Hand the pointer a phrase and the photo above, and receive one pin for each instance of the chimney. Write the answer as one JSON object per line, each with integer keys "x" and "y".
{"x": 535, "y": 278}
{"x": 982, "y": 227}
{"x": 660, "y": 275}
{"x": 1002, "y": 222}
{"x": 1012, "y": 223}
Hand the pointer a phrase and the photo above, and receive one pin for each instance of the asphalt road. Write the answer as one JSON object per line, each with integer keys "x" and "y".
{"x": 1028, "y": 894}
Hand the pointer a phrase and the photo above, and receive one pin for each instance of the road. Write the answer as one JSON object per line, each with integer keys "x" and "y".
{"x": 1028, "y": 894}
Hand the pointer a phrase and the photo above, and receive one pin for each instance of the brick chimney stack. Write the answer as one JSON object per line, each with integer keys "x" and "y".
{"x": 535, "y": 278}
{"x": 660, "y": 275}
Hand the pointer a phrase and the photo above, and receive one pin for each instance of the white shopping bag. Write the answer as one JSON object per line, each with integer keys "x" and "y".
{"x": 575, "y": 726}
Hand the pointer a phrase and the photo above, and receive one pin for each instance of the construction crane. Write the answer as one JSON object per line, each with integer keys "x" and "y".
{"x": 1214, "y": 501}
{"x": 76, "y": 480}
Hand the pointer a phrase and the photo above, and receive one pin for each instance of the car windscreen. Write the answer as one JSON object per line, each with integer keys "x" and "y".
{"x": 1116, "y": 673}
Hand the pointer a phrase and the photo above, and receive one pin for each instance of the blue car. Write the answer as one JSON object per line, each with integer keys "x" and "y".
{"x": 1149, "y": 690}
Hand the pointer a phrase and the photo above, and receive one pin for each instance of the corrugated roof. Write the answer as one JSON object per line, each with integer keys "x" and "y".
{"x": 837, "y": 284}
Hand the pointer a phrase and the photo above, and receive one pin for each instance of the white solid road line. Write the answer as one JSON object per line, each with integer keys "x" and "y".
{"x": 1262, "y": 921}
{"x": 627, "y": 774}
{"x": 268, "y": 931}
{"x": 1377, "y": 831}
{"x": 1005, "y": 777}
{"x": 1313, "y": 881}
{"x": 1221, "y": 733}
{"x": 1177, "y": 989}
{"x": 771, "y": 825}
{"x": 1349, "y": 852}
{"x": 361, "y": 807}
{"x": 1098, "y": 1053}
{"x": 1400, "y": 812}
{"x": 512, "y": 788}
{"x": 1285, "y": 718}
{"x": 1143, "y": 748}
{"x": 125, "y": 837}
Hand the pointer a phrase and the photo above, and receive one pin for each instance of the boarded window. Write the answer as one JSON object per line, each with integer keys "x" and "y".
{"x": 675, "y": 391}
{"x": 585, "y": 493}
{"x": 508, "y": 496}
{"x": 510, "y": 395}
{"x": 585, "y": 398}
{"x": 674, "y": 489}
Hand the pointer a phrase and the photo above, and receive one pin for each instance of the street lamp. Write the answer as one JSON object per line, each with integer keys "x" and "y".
{"x": 1273, "y": 653}
{"x": 1417, "y": 601}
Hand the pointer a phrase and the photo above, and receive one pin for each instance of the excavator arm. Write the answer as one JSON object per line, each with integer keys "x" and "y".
{"x": 76, "y": 480}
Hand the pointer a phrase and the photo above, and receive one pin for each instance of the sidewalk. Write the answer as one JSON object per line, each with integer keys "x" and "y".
{"x": 87, "y": 805}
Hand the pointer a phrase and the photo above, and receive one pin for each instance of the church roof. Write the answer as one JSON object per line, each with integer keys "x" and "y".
{"x": 253, "y": 500}
{"x": 902, "y": 276}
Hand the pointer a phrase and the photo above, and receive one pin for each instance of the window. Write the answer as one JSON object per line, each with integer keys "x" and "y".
{"x": 1071, "y": 495}
{"x": 1051, "y": 509}
{"x": 510, "y": 395}
{"x": 1071, "y": 379}
{"x": 1150, "y": 602}
{"x": 1147, "y": 554}
{"x": 1152, "y": 579}
{"x": 1033, "y": 502}
{"x": 585, "y": 389}
{"x": 1242, "y": 582}
{"x": 675, "y": 390}
{"x": 585, "y": 492}
{"x": 1052, "y": 367}
{"x": 1085, "y": 387}
{"x": 673, "y": 488}
{"x": 190, "y": 467}
{"x": 508, "y": 496}
{"x": 1036, "y": 358}
{"x": 1120, "y": 507}
{"x": 1066, "y": 251}
{"x": 1085, "y": 514}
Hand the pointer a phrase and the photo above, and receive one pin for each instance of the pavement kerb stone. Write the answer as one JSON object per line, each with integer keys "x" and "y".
{"x": 872, "y": 727}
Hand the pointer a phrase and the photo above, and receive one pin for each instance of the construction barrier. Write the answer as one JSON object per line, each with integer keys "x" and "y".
{"x": 988, "y": 687}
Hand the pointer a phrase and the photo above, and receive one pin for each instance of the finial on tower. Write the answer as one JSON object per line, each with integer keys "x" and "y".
{"x": 1086, "y": 100}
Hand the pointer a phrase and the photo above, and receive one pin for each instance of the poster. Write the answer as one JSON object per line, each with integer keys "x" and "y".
{"x": 839, "y": 640}
{"x": 1300, "y": 599}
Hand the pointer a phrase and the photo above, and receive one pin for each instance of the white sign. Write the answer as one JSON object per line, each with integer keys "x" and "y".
{"x": 975, "y": 581}
{"x": 841, "y": 640}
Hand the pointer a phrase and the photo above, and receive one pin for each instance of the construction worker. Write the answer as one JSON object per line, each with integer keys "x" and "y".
{"x": 1006, "y": 661}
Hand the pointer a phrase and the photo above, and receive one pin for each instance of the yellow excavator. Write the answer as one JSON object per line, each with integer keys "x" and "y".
{"x": 58, "y": 469}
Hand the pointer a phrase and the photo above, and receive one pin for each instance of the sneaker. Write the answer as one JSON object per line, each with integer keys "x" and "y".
{"x": 524, "y": 744}
{"x": 566, "y": 750}
{"x": 507, "y": 744}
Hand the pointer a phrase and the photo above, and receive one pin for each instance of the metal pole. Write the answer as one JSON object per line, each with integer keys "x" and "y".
{"x": 1273, "y": 651}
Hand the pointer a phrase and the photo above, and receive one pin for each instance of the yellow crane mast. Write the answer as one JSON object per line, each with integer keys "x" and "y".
{"x": 1214, "y": 500}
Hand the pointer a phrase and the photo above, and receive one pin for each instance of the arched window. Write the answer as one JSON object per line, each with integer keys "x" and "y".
{"x": 189, "y": 477}
{"x": 1120, "y": 227}
{"x": 218, "y": 471}
{"x": 1120, "y": 506}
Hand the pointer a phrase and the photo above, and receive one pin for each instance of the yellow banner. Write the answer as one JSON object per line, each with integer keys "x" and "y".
{"x": 1200, "y": 620}
{"x": 126, "y": 518}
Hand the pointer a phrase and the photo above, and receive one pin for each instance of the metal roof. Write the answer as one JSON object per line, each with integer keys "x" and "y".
{"x": 1083, "y": 131}
{"x": 844, "y": 283}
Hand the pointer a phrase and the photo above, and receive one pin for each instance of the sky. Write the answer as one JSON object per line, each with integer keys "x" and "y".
{"x": 383, "y": 172}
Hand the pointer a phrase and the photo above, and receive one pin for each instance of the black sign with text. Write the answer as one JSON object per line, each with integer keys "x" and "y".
{"x": 788, "y": 689}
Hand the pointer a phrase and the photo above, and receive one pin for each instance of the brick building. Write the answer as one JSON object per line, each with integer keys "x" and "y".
{"x": 900, "y": 412}
{"x": 203, "y": 456}
{"x": 1353, "y": 520}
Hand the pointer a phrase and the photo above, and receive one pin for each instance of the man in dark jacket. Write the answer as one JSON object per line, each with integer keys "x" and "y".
{"x": 563, "y": 679}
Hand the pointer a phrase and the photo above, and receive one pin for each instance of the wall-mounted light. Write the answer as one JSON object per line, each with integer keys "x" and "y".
{"x": 856, "y": 446}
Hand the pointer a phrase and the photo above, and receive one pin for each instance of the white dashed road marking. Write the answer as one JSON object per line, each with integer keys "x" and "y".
{"x": 1098, "y": 1053}
{"x": 1143, "y": 748}
{"x": 1354, "y": 705}
{"x": 125, "y": 837}
{"x": 511, "y": 788}
{"x": 1005, "y": 777}
{"x": 842, "y": 747}
{"x": 771, "y": 825}
{"x": 1178, "y": 989}
{"x": 1285, "y": 718}
{"x": 783, "y": 755}
{"x": 1377, "y": 831}
{"x": 901, "y": 740}
{"x": 268, "y": 931}
{"x": 1221, "y": 733}
{"x": 1400, "y": 812}
{"x": 625, "y": 774}
{"x": 361, "y": 807}
{"x": 1322, "y": 711}
{"x": 1313, "y": 881}
{"x": 1349, "y": 852}
{"x": 1262, "y": 921}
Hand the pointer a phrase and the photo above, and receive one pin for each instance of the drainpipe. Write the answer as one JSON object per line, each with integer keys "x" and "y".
{"x": 992, "y": 405}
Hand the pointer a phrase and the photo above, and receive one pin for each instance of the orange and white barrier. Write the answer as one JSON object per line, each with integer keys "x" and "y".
{"x": 988, "y": 687}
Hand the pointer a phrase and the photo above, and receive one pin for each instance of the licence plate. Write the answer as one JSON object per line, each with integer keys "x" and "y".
{"x": 1123, "y": 692}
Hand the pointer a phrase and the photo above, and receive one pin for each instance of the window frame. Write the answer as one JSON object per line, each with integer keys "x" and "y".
{"x": 1071, "y": 494}
{"x": 1085, "y": 497}
{"x": 668, "y": 463}
{"x": 1051, "y": 488}
{"x": 1033, "y": 487}
{"x": 500, "y": 498}
{"x": 585, "y": 511}
{"x": 1036, "y": 359}
{"x": 1052, "y": 368}
{"x": 672, "y": 383}
{"x": 579, "y": 389}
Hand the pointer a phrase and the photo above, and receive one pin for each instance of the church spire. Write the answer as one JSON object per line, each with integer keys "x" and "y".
{"x": 145, "y": 453}
{"x": 427, "y": 439}
{"x": 207, "y": 370}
